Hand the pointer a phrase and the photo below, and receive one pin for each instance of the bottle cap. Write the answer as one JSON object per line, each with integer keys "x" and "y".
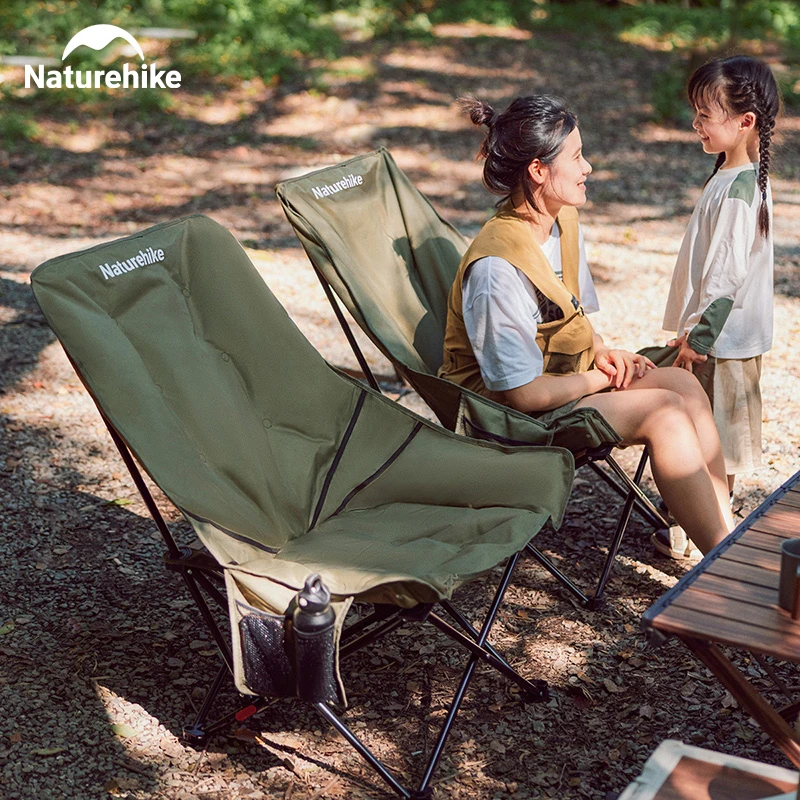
{"x": 314, "y": 597}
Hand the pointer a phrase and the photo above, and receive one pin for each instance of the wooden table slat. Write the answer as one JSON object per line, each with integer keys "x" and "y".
{"x": 781, "y": 522}
{"x": 763, "y": 541}
{"x": 733, "y": 612}
{"x": 736, "y": 590}
{"x": 776, "y": 536}
{"x": 698, "y": 625}
{"x": 788, "y": 501}
{"x": 745, "y": 553}
{"x": 745, "y": 573}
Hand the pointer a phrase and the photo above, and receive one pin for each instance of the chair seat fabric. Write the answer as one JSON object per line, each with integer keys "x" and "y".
{"x": 438, "y": 546}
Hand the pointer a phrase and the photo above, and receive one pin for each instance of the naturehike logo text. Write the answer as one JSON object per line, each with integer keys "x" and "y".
{"x": 142, "y": 259}
{"x": 97, "y": 37}
{"x": 348, "y": 182}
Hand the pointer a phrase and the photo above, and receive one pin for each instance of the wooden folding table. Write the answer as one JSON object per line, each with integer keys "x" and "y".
{"x": 731, "y": 598}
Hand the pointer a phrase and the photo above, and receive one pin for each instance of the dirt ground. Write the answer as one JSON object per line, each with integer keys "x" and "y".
{"x": 101, "y": 658}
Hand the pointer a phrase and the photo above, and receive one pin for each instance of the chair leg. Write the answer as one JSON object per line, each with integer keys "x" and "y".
{"x": 424, "y": 787}
{"x": 634, "y": 498}
{"x": 362, "y": 750}
{"x": 556, "y": 572}
{"x": 533, "y": 692}
{"x": 622, "y": 525}
{"x": 199, "y": 734}
{"x": 196, "y": 732}
{"x": 208, "y": 617}
{"x": 539, "y": 687}
{"x": 461, "y": 620}
{"x": 625, "y": 485}
{"x": 382, "y": 627}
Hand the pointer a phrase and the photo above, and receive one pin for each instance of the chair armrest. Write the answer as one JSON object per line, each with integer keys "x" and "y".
{"x": 478, "y": 417}
{"x": 577, "y": 430}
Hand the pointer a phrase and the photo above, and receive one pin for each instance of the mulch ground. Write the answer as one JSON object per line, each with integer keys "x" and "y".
{"x": 102, "y": 660}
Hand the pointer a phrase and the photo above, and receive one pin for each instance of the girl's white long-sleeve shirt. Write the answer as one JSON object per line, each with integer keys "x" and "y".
{"x": 721, "y": 290}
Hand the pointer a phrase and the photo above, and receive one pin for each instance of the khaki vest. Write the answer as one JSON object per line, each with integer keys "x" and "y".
{"x": 566, "y": 343}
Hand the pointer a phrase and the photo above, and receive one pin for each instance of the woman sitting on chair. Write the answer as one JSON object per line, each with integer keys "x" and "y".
{"x": 517, "y": 331}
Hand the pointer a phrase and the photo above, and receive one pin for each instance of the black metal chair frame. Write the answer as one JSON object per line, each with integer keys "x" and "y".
{"x": 616, "y": 477}
{"x": 203, "y": 578}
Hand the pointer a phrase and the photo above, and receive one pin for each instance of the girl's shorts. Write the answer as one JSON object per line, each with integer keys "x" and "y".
{"x": 733, "y": 386}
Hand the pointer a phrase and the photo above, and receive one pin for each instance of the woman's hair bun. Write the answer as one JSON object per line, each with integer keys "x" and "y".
{"x": 480, "y": 113}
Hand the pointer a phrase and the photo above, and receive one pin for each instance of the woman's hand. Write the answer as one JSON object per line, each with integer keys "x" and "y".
{"x": 622, "y": 365}
{"x": 687, "y": 357}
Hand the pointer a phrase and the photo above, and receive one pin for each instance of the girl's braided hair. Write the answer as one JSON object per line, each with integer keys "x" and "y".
{"x": 740, "y": 84}
{"x": 532, "y": 127}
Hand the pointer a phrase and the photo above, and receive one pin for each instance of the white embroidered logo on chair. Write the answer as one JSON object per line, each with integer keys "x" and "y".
{"x": 142, "y": 259}
{"x": 347, "y": 182}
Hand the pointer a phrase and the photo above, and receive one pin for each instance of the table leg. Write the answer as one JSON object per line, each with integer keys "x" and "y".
{"x": 748, "y": 697}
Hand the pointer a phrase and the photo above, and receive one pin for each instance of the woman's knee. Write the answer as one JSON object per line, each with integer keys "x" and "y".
{"x": 651, "y": 414}
{"x": 685, "y": 384}
{"x": 670, "y": 416}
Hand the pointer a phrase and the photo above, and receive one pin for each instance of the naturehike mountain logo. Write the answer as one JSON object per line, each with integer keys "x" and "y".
{"x": 348, "y": 182}
{"x": 146, "y": 76}
{"x": 142, "y": 259}
{"x": 98, "y": 36}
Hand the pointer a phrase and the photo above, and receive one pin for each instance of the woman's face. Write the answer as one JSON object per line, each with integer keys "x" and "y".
{"x": 565, "y": 182}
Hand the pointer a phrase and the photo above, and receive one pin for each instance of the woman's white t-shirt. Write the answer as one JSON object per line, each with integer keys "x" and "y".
{"x": 501, "y": 315}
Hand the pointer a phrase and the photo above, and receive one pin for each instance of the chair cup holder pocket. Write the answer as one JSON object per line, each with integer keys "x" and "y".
{"x": 315, "y": 658}
{"x": 266, "y": 655}
{"x": 281, "y": 662}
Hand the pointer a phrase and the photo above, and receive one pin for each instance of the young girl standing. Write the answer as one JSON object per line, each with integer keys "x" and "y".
{"x": 720, "y": 298}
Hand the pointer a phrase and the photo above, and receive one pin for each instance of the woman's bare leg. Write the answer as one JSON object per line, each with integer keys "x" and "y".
{"x": 668, "y": 411}
{"x": 699, "y": 410}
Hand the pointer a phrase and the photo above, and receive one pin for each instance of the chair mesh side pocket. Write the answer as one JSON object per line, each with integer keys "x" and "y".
{"x": 315, "y": 657}
{"x": 267, "y": 666}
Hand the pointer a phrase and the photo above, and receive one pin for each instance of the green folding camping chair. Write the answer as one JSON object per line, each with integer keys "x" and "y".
{"x": 378, "y": 245}
{"x": 307, "y": 489}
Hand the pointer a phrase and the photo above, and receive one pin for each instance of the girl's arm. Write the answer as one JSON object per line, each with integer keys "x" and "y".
{"x": 687, "y": 357}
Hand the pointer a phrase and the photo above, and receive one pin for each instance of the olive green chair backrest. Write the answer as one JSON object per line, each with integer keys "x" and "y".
{"x": 384, "y": 250}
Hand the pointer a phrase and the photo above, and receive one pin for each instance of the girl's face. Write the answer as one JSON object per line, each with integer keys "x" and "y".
{"x": 565, "y": 181}
{"x": 719, "y": 132}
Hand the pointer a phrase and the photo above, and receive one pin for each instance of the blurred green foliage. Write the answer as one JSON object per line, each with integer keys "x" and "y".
{"x": 275, "y": 38}
{"x": 233, "y": 37}
{"x": 679, "y": 24}
{"x": 687, "y": 33}
{"x": 250, "y": 38}
{"x": 16, "y": 128}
